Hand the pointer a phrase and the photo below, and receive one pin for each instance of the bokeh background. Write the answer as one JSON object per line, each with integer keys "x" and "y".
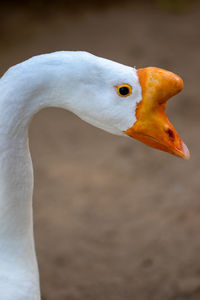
{"x": 114, "y": 219}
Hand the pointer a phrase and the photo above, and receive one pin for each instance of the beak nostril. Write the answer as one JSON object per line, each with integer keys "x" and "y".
{"x": 170, "y": 134}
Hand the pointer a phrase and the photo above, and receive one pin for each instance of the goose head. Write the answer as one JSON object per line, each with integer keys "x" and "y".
{"x": 126, "y": 101}
{"x": 116, "y": 98}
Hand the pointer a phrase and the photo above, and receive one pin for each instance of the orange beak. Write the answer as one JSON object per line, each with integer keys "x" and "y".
{"x": 152, "y": 126}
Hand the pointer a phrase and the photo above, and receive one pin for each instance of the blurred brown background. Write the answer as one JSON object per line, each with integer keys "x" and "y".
{"x": 114, "y": 219}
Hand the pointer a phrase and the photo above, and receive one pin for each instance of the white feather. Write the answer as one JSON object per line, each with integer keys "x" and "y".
{"x": 79, "y": 82}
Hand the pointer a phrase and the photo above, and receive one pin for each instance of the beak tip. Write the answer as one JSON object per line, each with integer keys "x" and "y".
{"x": 186, "y": 152}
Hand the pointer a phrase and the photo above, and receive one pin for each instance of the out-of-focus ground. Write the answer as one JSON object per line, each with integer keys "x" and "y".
{"x": 114, "y": 219}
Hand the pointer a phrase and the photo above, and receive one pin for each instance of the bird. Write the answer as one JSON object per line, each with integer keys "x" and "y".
{"x": 114, "y": 97}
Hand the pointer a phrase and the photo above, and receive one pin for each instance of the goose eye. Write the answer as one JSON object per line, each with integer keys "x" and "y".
{"x": 124, "y": 90}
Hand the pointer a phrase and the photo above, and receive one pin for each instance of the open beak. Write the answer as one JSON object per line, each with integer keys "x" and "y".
{"x": 152, "y": 126}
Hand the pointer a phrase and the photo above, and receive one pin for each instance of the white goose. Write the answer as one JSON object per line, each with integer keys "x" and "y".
{"x": 111, "y": 96}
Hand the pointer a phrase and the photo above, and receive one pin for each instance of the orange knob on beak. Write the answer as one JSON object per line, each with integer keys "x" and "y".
{"x": 152, "y": 126}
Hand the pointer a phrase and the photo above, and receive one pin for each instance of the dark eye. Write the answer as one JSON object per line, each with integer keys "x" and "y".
{"x": 124, "y": 90}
